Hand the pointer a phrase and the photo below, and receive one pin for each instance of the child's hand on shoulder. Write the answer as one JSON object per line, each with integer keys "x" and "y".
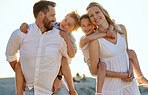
{"x": 109, "y": 32}
{"x": 24, "y": 28}
{"x": 64, "y": 36}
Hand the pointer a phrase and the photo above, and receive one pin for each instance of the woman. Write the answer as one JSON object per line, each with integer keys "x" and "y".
{"x": 111, "y": 51}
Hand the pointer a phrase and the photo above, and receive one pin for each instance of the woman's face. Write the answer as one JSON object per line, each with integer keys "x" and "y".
{"x": 96, "y": 15}
{"x": 67, "y": 24}
{"x": 86, "y": 26}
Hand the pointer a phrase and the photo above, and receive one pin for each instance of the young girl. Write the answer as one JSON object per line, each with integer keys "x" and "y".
{"x": 67, "y": 26}
{"x": 88, "y": 28}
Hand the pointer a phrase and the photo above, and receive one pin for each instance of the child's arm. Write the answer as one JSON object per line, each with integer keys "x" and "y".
{"x": 19, "y": 79}
{"x": 70, "y": 49}
{"x": 91, "y": 37}
{"x": 131, "y": 74}
{"x": 65, "y": 69}
{"x": 96, "y": 35}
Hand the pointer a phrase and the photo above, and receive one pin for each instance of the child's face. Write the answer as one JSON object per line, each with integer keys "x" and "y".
{"x": 67, "y": 24}
{"x": 86, "y": 26}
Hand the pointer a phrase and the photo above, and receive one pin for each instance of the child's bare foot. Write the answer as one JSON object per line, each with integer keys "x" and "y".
{"x": 73, "y": 92}
{"x": 142, "y": 81}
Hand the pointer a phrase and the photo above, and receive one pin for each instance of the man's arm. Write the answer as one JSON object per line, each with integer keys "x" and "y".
{"x": 13, "y": 64}
{"x": 13, "y": 47}
{"x": 63, "y": 49}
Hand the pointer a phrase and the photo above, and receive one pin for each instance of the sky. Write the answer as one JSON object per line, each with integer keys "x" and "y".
{"x": 131, "y": 13}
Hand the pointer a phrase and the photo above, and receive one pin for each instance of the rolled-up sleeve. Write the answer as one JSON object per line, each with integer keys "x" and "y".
{"x": 14, "y": 45}
{"x": 63, "y": 50}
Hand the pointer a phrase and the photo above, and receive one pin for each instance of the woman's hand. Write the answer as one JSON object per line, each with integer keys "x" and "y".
{"x": 24, "y": 28}
{"x": 130, "y": 73}
{"x": 64, "y": 36}
{"x": 128, "y": 77}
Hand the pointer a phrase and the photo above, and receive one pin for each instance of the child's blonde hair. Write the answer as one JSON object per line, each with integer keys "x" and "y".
{"x": 76, "y": 17}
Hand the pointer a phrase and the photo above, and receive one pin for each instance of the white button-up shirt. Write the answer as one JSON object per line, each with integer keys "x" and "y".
{"x": 40, "y": 56}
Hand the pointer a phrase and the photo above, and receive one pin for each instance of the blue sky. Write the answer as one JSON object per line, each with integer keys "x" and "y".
{"x": 132, "y": 13}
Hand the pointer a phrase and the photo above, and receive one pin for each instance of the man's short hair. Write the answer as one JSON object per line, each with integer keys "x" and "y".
{"x": 42, "y": 6}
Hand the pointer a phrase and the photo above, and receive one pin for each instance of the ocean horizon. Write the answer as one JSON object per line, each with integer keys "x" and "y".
{"x": 87, "y": 87}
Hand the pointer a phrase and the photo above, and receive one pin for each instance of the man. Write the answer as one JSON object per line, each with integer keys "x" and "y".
{"x": 41, "y": 51}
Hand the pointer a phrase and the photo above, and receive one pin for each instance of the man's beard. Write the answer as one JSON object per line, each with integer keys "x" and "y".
{"x": 47, "y": 24}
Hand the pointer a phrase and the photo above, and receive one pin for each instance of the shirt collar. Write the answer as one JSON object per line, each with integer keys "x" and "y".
{"x": 37, "y": 29}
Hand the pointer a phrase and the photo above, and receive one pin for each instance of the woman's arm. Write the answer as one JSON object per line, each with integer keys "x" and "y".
{"x": 116, "y": 74}
{"x": 125, "y": 33}
{"x": 94, "y": 55}
{"x": 70, "y": 49}
{"x": 131, "y": 74}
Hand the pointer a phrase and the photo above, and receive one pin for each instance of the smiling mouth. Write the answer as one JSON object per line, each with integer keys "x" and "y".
{"x": 98, "y": 20}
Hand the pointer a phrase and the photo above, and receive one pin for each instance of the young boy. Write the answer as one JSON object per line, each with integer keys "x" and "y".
{"x": 66, "y": 27}
{"x": 88, "y": 28}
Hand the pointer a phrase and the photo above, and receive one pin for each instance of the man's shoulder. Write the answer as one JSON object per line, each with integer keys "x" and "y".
{"x": 17, "y": 33}
{"x": 55, "y": 31}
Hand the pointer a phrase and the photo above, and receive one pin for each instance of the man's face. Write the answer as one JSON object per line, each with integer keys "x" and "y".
{"x": 49, "y": 18}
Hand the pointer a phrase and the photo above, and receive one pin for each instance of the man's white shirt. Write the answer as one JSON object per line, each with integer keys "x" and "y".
{"x": 40, "y": 56}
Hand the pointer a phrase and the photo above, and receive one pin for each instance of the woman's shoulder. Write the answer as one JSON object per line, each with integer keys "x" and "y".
{"x": 122, "y": 28}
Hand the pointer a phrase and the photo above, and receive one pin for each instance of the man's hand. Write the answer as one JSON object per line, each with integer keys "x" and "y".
{"x": 56, "y": 85}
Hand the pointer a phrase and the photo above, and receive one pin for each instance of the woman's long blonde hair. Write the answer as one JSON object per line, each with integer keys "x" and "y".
{"x": 106, "y": 14}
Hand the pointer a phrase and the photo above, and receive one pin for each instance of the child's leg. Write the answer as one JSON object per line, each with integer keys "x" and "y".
{"x": 132, "y": 56}
{"x": 19, "y": 79}
{"x": 67, "y": 74}
{"x": 100, "y": 76}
